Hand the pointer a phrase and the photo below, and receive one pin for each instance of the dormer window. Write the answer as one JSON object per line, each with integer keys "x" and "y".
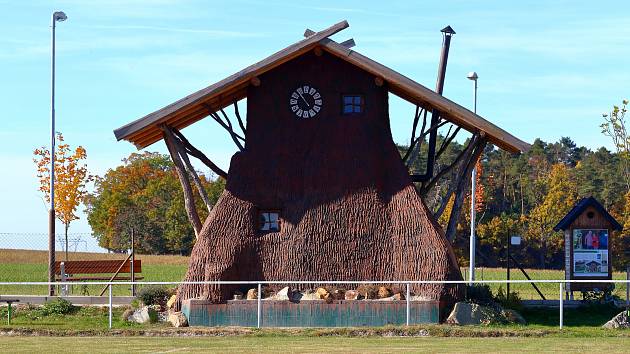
{"x": 352, "y": 104}
{"x": 269, "y": 221}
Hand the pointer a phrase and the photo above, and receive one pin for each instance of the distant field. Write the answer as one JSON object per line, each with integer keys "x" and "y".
{"x": 27, "y": 265}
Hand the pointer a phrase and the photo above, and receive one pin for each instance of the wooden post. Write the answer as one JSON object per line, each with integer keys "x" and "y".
{"x": 133, "y": 259}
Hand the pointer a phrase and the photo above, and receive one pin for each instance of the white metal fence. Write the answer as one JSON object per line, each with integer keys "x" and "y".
{"x": 259, "y": 284}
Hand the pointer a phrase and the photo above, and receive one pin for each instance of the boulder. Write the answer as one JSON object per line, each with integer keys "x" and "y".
{"x": 283, "y": 295}
{"x": 384, "y": 292}
{"x": 622, "y": 320}
{"x": 177, "y": 319}
{"x": 252, "y": 294}
{"x": 512, "y": 316}
{"x": 171, "y": 302}
{"x": 128, "y": 313}
{"x": 307, "y": 295}
{"x": 339, "y": 294}
{"x": 323, "y": 294}
{"x": 352, "y": 295}
{"x": 144, "y": 314}
{"x": 472, "y": 314}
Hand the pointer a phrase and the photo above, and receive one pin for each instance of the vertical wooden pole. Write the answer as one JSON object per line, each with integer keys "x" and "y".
{"x": 133, "y": 260}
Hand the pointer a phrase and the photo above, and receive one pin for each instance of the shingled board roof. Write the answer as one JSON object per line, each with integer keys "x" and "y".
{"x": 145, "y": 131}
{"x": 579, "y": 208}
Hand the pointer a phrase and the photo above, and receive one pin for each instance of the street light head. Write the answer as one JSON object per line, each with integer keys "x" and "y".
{"x": 448, "y": 31}
{"x": 472, "y": 76}
{"x": 59, "y": 16}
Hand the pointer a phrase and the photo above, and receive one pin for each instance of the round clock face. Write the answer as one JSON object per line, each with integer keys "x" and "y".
{"x": 305, "y": 102}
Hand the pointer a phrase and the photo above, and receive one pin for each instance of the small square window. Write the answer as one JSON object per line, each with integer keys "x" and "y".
{"x": 269, "y": 221}
{"x": 352, "y": 104}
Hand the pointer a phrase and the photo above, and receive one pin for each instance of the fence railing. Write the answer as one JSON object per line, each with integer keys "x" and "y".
{"x": 259, "y": 283}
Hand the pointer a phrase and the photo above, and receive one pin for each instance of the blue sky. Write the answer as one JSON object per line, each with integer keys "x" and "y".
{"x": 547, "y": 69}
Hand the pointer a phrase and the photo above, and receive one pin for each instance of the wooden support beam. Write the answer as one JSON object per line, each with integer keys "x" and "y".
{"x": 189, "y": 201}
{"x": 378, "y": 81}
{"x": 191, "y": 170}
{"x": 199, "y": 155}
{"x": 255, "y": 81}
{"x": 238, "y": 117}
{"x": 349, "y": 43}
{"x": 462, "y": 187}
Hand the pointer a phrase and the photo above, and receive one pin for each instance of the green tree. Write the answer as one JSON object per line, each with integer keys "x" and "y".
{"x": 144, "y": 194}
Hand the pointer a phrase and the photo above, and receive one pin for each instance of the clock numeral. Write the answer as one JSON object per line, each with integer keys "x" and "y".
{"x": 312, "y": 112}
{"x": 317, "y": 95}
{"x": 305, "y": 114}
{"x": 316, "y": 108}
{"x": 299, "y": 113}
{"x": 318, "y": 102}
{"x": 299, "y": 90}
{"x": 306, "y": 88}
{"x": 312, "y": 91}
{"x": 295, "y": 95}
{"x": 293, "y": 101}
{"x": 294, "y": 108}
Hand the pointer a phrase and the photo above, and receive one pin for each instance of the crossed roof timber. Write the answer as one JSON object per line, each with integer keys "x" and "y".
{"x": 192, "y": 108}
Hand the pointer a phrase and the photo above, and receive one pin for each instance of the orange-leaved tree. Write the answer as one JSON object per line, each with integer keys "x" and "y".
{"x": 71, "y": 177}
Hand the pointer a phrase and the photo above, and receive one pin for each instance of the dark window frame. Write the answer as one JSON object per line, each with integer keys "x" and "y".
{"x": 353, "y": 104}
{"x": 262, "y": 223}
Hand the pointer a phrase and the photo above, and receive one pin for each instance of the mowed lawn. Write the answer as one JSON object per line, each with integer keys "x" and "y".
{"x": 27, "y": 265}
{"x": 303, "y": 344}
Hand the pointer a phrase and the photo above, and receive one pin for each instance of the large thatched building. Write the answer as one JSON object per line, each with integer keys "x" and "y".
{"x": 317, "y": 190}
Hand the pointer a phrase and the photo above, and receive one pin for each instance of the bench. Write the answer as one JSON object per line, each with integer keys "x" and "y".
{"x": 9, "y": 303}
{"x": 92, "y": 270}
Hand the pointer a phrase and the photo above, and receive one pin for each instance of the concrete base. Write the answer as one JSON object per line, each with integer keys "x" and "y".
{"x": 75, "y": 300}
{"x": 341, "y": 313}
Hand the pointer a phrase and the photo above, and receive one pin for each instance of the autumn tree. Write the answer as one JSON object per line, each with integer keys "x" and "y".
{"x": 71, "y": 177}
{"x": 144, "y": 195}
{"x": 560, "y": 197}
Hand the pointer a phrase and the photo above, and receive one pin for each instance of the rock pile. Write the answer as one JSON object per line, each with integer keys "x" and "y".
{"x": 622, "y": 320}
{"x": 465, "y": 313}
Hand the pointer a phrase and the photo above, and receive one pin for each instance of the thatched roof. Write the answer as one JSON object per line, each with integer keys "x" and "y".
{"x": 192, "y": 108}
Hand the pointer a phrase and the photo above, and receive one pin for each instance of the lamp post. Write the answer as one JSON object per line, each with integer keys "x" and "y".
{"x": 57, "y": 16}
{"x": 473, "y": 181}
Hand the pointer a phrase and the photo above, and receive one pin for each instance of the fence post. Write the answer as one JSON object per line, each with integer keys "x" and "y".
{"x": 259, "y": 307}
{"x": 110, "y": 305}
{"x": 627, "y": 287}
{"x": 408, "y": 298}
{"x": 561, "y": 304}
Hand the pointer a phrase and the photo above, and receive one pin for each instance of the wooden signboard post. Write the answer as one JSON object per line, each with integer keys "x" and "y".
{"x": 588, "y": 234}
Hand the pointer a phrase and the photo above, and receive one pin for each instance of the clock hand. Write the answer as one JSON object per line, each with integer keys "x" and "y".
{"x": 303, "y": 99}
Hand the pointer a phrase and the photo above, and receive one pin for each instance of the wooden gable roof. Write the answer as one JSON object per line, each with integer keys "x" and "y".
{"x": 145, "y": 131}
{"x": 580, "y": 207}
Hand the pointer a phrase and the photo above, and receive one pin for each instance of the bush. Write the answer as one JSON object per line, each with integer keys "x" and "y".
{"x": 153, "y": 295}
{"x": 509, "y": 301}
{"x": 58, "y": 306}
{"x": 479, "y": 294}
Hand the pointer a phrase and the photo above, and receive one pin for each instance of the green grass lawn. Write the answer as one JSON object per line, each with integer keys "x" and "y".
{"x": 26, "y": 265}
{"x": 305, "y": 344}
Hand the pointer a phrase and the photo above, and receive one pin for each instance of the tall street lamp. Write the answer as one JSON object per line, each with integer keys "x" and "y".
{"x": 473, "y": 180}
{"x": 57, "y": 16}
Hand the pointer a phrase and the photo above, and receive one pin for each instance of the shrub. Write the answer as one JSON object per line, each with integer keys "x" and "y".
{"x": 479, "y": 294}
{"x": 58, "y": 306}
{"x": 153, "y": 295}
{"x": 509, "y": 301}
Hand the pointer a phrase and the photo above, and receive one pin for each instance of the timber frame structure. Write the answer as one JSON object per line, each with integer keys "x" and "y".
{"x": 168, "y": 122}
